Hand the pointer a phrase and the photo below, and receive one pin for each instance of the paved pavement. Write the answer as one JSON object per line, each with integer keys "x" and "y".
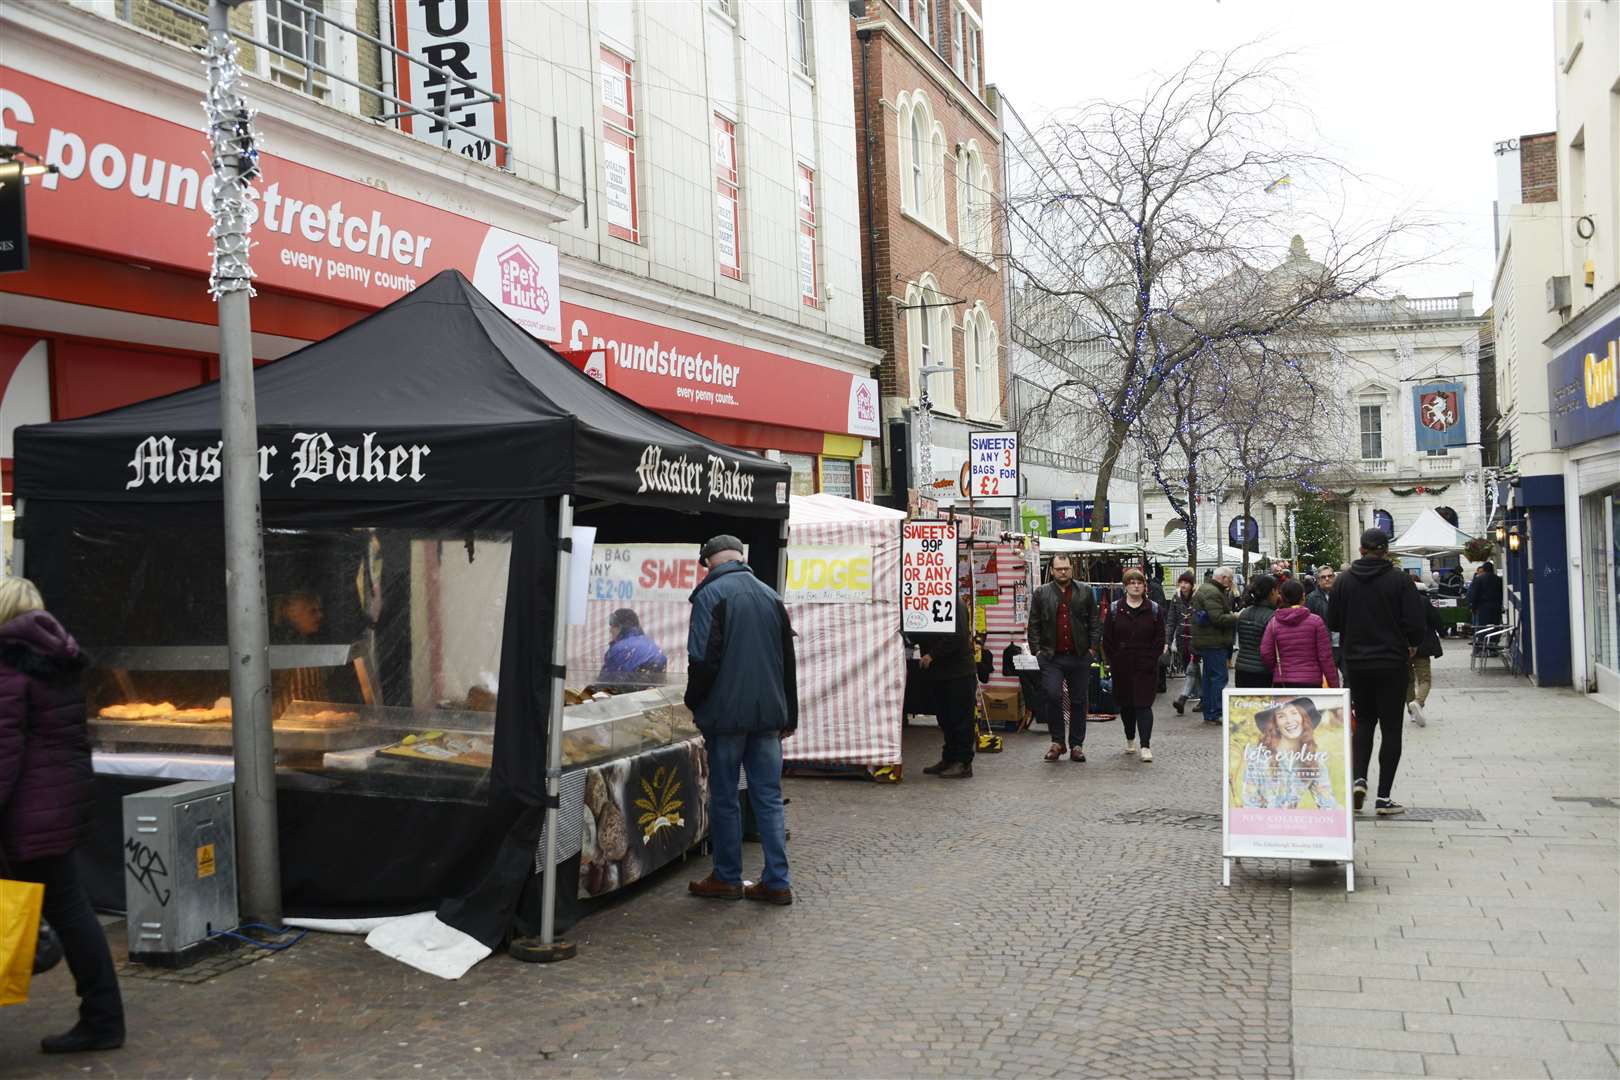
{"x": 1476, "y": 948}
{"x": 1038, "y": 920}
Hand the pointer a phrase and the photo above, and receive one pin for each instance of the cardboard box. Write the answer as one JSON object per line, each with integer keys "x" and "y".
{"x": 1003, "y": 707}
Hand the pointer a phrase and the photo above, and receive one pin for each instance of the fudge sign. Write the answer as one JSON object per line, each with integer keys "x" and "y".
{"x": 928, "y": 577}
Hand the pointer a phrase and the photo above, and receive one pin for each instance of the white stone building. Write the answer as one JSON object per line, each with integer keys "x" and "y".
{"x": 1388, "y": 354}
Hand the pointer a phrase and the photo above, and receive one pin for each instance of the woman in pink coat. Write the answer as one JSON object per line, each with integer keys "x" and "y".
{"x": 1295, "y": 646}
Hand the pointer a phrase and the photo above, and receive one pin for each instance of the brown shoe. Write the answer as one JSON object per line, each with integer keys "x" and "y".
{"x": 712, "y": 888}
{"x": 1077, "y": 754}
{"x": 779, "y": 897}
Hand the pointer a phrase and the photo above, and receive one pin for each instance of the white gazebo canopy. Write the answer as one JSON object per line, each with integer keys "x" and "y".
{"x": 1428, "y": 536}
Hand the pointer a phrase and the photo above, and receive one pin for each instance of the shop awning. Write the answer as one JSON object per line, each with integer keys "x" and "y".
{"x": 437, "y": 397}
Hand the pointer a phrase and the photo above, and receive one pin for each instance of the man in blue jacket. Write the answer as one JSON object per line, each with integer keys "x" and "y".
{"x": 742, "y": 688}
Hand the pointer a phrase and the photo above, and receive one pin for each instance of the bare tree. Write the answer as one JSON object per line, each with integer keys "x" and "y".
{"x": 1148, "y": 222}
{"x": 1177, "y": 437}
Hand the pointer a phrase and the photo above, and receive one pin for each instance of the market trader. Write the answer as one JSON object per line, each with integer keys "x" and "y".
{"x": 1064, "y": 633}
{"x": 742, "y": 688}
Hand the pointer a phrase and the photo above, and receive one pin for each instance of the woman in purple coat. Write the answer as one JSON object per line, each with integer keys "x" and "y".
{"x": 1133, "y": 638}
{"x": 46, "y": 797}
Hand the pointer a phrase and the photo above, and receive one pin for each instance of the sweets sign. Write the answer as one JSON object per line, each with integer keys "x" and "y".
{"x": 928, "y": 577}
{"x": 993, "y": 458}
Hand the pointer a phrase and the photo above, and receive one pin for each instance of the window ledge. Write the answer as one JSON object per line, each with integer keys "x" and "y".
{"x": 803, "y": 76}
{"x": 930, "y": 226}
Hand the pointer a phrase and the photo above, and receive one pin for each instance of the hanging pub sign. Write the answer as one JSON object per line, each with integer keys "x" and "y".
{"x": 13, "y": 218}
{"x": 928, "y": 572}
{"x": 1243, "y": 531}
{"x": 993, "y": 457}
{"x": 1438, "y": 408}
{"x": 464, "y": 38}
{"x": 1286, "y": 776}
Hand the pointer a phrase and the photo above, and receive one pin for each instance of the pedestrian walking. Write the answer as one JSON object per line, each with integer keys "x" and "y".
{"x": 1064, "y": 634}
{"x": 47, "y": 799}
{"x": 1295, "y": 646}
{"x": 1380, "y": 620}
{"x": 1485, "y": 596}
{"x": 1250, "y": 668}
{"x": 1214, "y": 625}
{"x": 1178, "y": 640}
{"x": 742, "y": 688}
{"x": 1318, "y": 603}
{"x": 1417, "y": 688}
{"x": 948, "y": 665}
{"x": 1133, "y": 641}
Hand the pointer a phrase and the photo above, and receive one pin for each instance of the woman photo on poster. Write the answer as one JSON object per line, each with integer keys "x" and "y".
{"x": 1286, "y": 765}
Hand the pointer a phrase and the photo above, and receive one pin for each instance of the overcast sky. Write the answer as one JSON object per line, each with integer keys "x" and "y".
{"x": 1412, "y": 95}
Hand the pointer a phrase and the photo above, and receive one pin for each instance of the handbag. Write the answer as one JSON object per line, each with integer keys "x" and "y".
{"x": 48, "y": 950}
{"x": 20, "y": 903}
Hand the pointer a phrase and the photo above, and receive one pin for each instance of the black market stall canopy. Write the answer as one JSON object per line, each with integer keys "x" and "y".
{"x": 431, "y": 426}
{"x": 437, "y": 397}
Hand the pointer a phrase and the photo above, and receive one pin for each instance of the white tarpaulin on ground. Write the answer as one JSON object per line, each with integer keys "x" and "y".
{"x": 852, "y": 663}
{"x": 1430, "y": 535}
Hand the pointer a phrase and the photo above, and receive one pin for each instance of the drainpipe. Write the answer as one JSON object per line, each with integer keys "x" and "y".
{"x": 865, "y": 38}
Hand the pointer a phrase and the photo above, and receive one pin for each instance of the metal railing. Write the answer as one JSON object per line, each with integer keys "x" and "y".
{"x": 478, "y": 95}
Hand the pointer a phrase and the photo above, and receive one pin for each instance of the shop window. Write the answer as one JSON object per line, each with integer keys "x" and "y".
{"x": 299, "y": 31}
{"x": 809, "y": 286}
{"x": 799, "y": 35}
{"x": 804, "y": 472}
{"x": 619, "y": 200}
{"x": 728, "y": 244}
{"x": 1372, "y": 432}
{"x": 838, "y": 477}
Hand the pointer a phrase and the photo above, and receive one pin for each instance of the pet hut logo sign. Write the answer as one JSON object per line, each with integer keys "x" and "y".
{"x": 121, "y": 189}
{"x": 315, "y": 458}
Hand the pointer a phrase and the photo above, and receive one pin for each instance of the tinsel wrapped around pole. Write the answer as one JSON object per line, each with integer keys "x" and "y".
{"x": 234, "y": 158}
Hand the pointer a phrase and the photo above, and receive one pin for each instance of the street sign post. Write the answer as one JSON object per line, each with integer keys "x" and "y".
{"x": 993, "y": 459}
{"x": 928, "y": 577}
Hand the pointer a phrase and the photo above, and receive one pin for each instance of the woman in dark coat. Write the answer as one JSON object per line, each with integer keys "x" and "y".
{"x": 1133, "y": 638}
{"x": 46, "y": 798}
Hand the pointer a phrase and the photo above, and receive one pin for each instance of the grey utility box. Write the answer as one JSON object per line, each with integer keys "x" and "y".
{"x": 179, "y": 870}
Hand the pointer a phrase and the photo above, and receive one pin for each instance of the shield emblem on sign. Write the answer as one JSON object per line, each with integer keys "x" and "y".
{"x": 1437, "y": 410}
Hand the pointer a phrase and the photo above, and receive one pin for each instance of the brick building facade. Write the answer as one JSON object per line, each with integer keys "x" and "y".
{"x": 928, "y": 150}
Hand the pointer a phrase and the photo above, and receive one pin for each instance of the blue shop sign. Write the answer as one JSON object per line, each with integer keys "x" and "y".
{"x": 1583, "y": 388}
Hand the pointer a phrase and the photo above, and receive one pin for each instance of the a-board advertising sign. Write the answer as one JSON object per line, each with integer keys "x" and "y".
{"x": 993, "y": 458}
{"x": 1286, "y": 779}
{"x": 928, "y": 571}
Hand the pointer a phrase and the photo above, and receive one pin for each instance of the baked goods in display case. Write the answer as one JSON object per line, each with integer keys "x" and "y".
{"x": 446, "y": 748}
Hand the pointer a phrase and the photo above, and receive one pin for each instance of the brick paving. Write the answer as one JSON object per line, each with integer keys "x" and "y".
{"x": 1009, "y": 925}
{"x": 1038, "y": 920}
{"x": 1481, "y": 948}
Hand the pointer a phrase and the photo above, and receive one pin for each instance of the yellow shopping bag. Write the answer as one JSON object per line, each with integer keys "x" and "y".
{"x": 19, "y": 934}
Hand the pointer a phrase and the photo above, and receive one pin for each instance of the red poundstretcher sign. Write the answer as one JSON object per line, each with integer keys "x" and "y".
{"x": 138, "y": 187}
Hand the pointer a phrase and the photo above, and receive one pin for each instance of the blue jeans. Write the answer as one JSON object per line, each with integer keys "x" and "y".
{"x": 1213, "y": 661}
{"x": 759, "y": 753}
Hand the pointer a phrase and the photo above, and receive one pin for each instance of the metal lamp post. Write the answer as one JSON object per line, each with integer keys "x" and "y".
{"x": 925, "y": 421}
{"x": 233, "y": 154}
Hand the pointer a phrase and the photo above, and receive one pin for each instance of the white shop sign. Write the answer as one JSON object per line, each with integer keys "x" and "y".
{"x": 993, "y": 458}
{"x": 928, "y": 594}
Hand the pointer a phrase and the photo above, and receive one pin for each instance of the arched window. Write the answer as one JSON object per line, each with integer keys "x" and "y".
{"x": 929, "y": 328}
{"x": 969, "y": 196}
{"x": 922, "y": 159}
{"x": 919, "y": 162}
{"x": 980, "y": 348}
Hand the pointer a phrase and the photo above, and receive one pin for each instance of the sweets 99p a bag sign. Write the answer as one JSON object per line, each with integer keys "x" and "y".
{"x": 928, "y": 577}
{"x": 993, "y": 459}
